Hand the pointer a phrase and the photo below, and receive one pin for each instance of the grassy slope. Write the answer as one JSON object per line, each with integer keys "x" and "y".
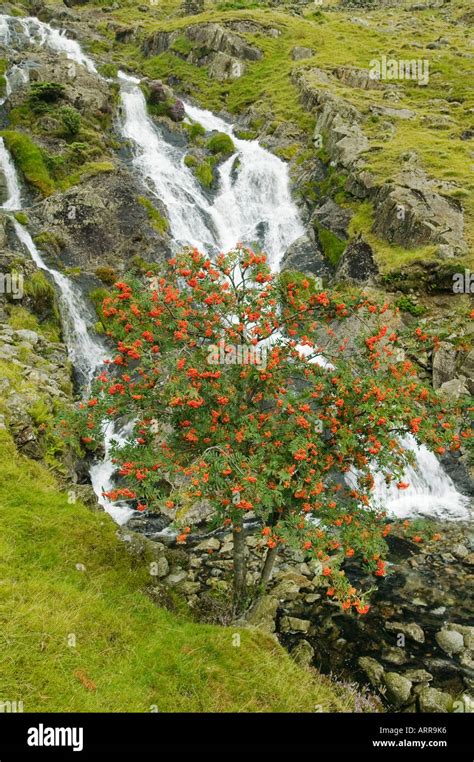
{"x": 135, "y": 654}
{"x": 337, "y": 40}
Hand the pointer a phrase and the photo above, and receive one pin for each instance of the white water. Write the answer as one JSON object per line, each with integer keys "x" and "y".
{"x": 252, "y": 203}
{"x": 31, "y": 31}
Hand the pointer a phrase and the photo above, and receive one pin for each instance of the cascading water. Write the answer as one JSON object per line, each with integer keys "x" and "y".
{"x": 30, "y": 31}
{"x": 253, "y": 203}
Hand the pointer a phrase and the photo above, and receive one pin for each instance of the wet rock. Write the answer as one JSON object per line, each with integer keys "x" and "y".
{"x": 394, "y": 656}
{"x": 450, "y": 641}
{"x": 303, "y": 653}
{"x": 372, "y": 669}
{"x": 176, "y": 111}
{"x": 293, "y": 624}
{"x": 398, "y": 688}
{"x": 411, "y": 630}
{"x": 432, "y": 700}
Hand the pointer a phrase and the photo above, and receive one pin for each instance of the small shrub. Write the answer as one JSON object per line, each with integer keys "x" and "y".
{"x": 71, "y": 120}
{"x": 106, "y": 274}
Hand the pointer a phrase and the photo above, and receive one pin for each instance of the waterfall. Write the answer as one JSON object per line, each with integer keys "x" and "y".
{"x": 252, "y": 204}
{"x": 31, "y": 31}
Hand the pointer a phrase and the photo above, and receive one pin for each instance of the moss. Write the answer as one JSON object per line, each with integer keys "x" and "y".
{"x": 332, "y": 246}
{"x": 195, "y": 131}
{"x": 49, "y": 241}
{"x": 30, "y": 161}
{"x": 158, "y": 222}
{"x": 182, "y": 45}
{"x": 201, "y": 169}
{"x": 21, "y": 217}
{"x": 220, "y": 144}
{"x": 91, "y": 169}
{"x": 40, "y": 290}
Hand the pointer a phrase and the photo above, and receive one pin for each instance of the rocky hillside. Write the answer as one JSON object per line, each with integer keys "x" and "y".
{"x": 380, "y": 165}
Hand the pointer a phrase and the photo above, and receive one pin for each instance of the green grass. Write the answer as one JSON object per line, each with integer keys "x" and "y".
{"x": 29, "y": 159}
{"x": 129, "y": 654}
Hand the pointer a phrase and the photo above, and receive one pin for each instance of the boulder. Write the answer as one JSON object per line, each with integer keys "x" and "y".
{"x": 444, "y": 363}
{"x": 303, "y": 653}
{"x": 177, "y": 111}
{"x": 398, "y": 688}
{"x": 410, "y": 213}
{"x": 293, "y": 624}
{"x": 262, "y": 614}
{"x": 332, "y": 217}
{"x": 357, "y": 262}
{"x": 305, "y": 255}
{"x": 217, "y": 39}
{"x": 432, "y": 700}
{"x": 192, "y": 7}
{"x": 450, "y": 641}
{"x": 411, "y": 630}
{"x": 372, "y": 669}
{"x": 225, "y": 67}
{"x": 212, "y": 543}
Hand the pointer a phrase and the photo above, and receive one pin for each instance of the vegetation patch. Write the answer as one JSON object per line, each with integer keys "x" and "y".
{"x": 30, "y": 161}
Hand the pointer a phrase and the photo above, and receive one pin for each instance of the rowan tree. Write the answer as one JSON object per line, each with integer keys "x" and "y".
{"x": 244, "y": 395}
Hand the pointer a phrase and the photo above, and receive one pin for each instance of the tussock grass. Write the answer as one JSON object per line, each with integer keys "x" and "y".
{"x": 129, "y": 654}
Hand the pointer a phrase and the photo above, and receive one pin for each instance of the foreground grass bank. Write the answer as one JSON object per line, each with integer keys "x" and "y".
{"x": 129, "y": 655}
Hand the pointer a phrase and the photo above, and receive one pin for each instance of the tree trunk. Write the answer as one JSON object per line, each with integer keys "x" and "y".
{"x": 268, "y": 568}
{"x": 240, "y": 565}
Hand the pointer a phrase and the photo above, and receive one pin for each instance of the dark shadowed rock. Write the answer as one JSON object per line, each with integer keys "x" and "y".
{"x": 305, "y": 255}
{"x": 176, "y": 111}
{"x": 357, "y": 263}
{"x": 333, "y": 217}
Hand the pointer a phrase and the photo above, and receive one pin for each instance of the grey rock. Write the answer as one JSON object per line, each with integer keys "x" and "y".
{"x": 303, "y": 653}
{"x": 398, "y": 688}
{"x": 225, "y": 67}
{"x": 418, "y": 675}
{"x": 412, "y": 630}
{"x": 450, "y": 641}
{"x": 433, "y": 700}
{"x": 263, "y": 613}
{"x": 293, "y": 624}
{"x": 372, "y": 669}
{"x": 357, "y": 262}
